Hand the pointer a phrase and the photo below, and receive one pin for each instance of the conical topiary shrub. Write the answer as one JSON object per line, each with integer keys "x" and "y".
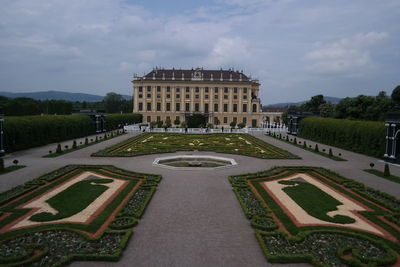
{"x": 316, "y": 148}
{"x": 74, "y": 144}
{"x": 386, "y": 171}
{"x": 86, "y": 141}
{"x": 58, "y": 149}
{"x": 330, "y": 152}
{"x": 1, "y": 165}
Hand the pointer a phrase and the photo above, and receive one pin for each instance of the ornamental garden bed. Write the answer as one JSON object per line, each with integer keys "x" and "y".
{"x": 310, "y": 214}
{"x": 154, "y": 143}
{"x": 381, "y": 174}
{"x": 78, "y": 212}
{"x": 315, "y": 149}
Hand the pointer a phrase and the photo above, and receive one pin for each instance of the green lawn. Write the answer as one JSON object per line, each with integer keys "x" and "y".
{"x": 392, "y": 178}
{"x": 150, "y": 143}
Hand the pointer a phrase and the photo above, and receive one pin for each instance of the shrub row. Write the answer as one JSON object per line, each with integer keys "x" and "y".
{"x": 114, "y": 120}
{"x": 24, "y": 132}
{"x": 365, "y": 137}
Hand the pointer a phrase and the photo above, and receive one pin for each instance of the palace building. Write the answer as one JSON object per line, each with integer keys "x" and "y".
{"x": 217, "y": 96}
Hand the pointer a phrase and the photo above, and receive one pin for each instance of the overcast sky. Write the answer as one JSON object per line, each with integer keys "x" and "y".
{"x": 296, "y": 48}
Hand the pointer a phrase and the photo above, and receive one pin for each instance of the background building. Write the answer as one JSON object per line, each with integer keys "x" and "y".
{"x": 211, "y": 96}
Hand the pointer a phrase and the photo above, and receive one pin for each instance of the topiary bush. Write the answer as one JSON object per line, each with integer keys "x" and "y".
{"x": 58, "y": 149}
{"x": 386, "y": 171}
{"x": 74, "y": 144}
{"x": 1, "y": 165}
{"x": 115, "y": 120}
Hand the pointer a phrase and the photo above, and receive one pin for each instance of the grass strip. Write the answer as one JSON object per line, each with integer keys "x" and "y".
{"x": 392, "y": 178}
{"x": 12, "y": 168}
{"x": 326, "y": 155}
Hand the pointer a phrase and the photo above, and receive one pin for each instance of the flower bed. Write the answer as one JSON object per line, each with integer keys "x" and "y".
{"x": 30, "y": 235}
{"x": 154, "y": 143}
{"x": 324, "y": 243}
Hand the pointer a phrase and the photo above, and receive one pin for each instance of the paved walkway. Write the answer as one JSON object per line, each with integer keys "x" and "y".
{"x": 194, "y": 218}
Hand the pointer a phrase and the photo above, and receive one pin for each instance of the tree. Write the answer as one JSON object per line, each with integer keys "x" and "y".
{"x": 233, "y": 124}
{"x": 168, "y": 123}
{"x": 113, "y": 102}
{"x": 241, "y": 125}
{"x": 177, "y": 121}
{"x": 327, "y": 109}
{"x": 313, "y": 104}
{"x": 396, "y": 95}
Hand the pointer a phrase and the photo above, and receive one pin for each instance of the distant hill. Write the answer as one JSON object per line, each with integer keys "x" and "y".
{"x": 333, "y": 100}
{"x": 58, "y": 95}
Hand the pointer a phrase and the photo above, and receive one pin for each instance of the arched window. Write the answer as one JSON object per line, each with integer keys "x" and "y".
{"x": 254, "y": 107}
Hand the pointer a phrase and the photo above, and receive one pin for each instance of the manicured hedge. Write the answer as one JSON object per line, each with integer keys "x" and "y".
{"x": 365, "y": 137}
{"x": 30, "y": 131}
{"x": 113, "y": 120}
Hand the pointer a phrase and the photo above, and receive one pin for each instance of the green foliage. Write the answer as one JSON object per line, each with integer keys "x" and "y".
{"x": 241, "y": 125}
{"x": 386, "y": 171}
{"x": 86, "y": 141}
{"x": 358, "y": 136}
{"x": 316, "y": 149}
{"x": 196, "y": 121}
{"x": 116, "y": 121}
{"x": 330, "y": 152}
{"x": 115, "y": 103}
{"x": 313, "y": 105}
{"x": 32, "y": 131}
{"x": 177, "y": 122}
{"x": 233, "y": 124}
{"x": 396, "y": 95}
{"x": 168, "y": 123}
{"x": 160, "y": 124}
{"x": 74, "y": 144}
{"x": 392, "y": 178}
{"x": 23, "y": 106}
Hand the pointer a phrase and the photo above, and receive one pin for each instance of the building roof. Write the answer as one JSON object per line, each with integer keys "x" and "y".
{"x": 198, "y": 74}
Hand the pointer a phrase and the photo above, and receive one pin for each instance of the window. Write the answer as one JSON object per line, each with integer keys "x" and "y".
{"x": 148, "y": 118}
{"x": 140, "y": 106}
{"x": 225, "y": 119}
{"x": 244, "y": 108}
{"x": 206, "y": 107}
{"x": 197, "y": 89}
{"x": 140, "y": 96}
{"x": 225, "y": 89}
{"x": 148, "y": 88}
{"x": 158, "y": 118}
{"x": 197, "y": 96}
{"x": 225, "y": 107}
{"x": 197, "y": 107}
{"x": 234, "y": 119}
{"x": 206, "y": 96}
{"x": 177, "y": 89}
{"x": 177, "y": 106}
{"x": 235, "y": 97}
{"x": 168, "y": 96}
{"x": 148, "y": 95}
{"x": 158, "y": 89}
{"x": 216, "y": 90}
{"x": 235, "y": 90}
{"x": 168, "y": 118}
{"x": 215, "y": 107}
{"x": 168, "y": 89}
{"x": 254, "y": 123}
{"x": 206, "y": 89}
{"x": 187, "y": 89}
{"x": 177, "y": 118}
{"x": 245, "y": 90}
{"x": 234, "y": 107}
{"x": 225, "y": 96}
{"x": 216, "y": 96}
{"x": 158, "y": 95}
{"x": 245, "y": 97}
{"x": 254, "y": 107}
{"x": 158, "y": 106}
{"x": 187, "y": 96}
{"x": 140, "y": 89}
{"x": 244, "y": 120}
{"x": 178, "y": 96}
{"x": 168, "y": 106}
{"x": 148, "y": 106}
{"x": 187, "y": 107}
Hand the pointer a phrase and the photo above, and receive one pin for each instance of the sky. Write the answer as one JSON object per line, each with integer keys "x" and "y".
{"x": 296, "y": 48}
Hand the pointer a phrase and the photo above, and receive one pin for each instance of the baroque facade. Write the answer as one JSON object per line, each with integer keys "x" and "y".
{"x": 220, "y": 96}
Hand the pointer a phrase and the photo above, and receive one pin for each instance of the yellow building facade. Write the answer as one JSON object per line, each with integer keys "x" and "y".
{"x": 220, "y": 96}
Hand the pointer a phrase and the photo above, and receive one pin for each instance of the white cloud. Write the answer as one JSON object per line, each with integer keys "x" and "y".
{"x": 346, "y": 55}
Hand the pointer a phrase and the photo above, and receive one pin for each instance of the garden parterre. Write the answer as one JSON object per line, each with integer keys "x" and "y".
{"x": 337, "y": 222}
{"x": 78, "y": 212}
{"x": 152, "y": 143}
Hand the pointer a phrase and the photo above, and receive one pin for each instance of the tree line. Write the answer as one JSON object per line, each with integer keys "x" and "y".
{"x": 361, "y": 107}
{"x": 24, "y": 106}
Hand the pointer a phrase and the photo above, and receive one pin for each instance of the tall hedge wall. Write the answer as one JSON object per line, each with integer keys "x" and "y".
{"x": 113, "y": 120}
{"x": 30, "y": 131}
{"x": 366, "y": 137}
